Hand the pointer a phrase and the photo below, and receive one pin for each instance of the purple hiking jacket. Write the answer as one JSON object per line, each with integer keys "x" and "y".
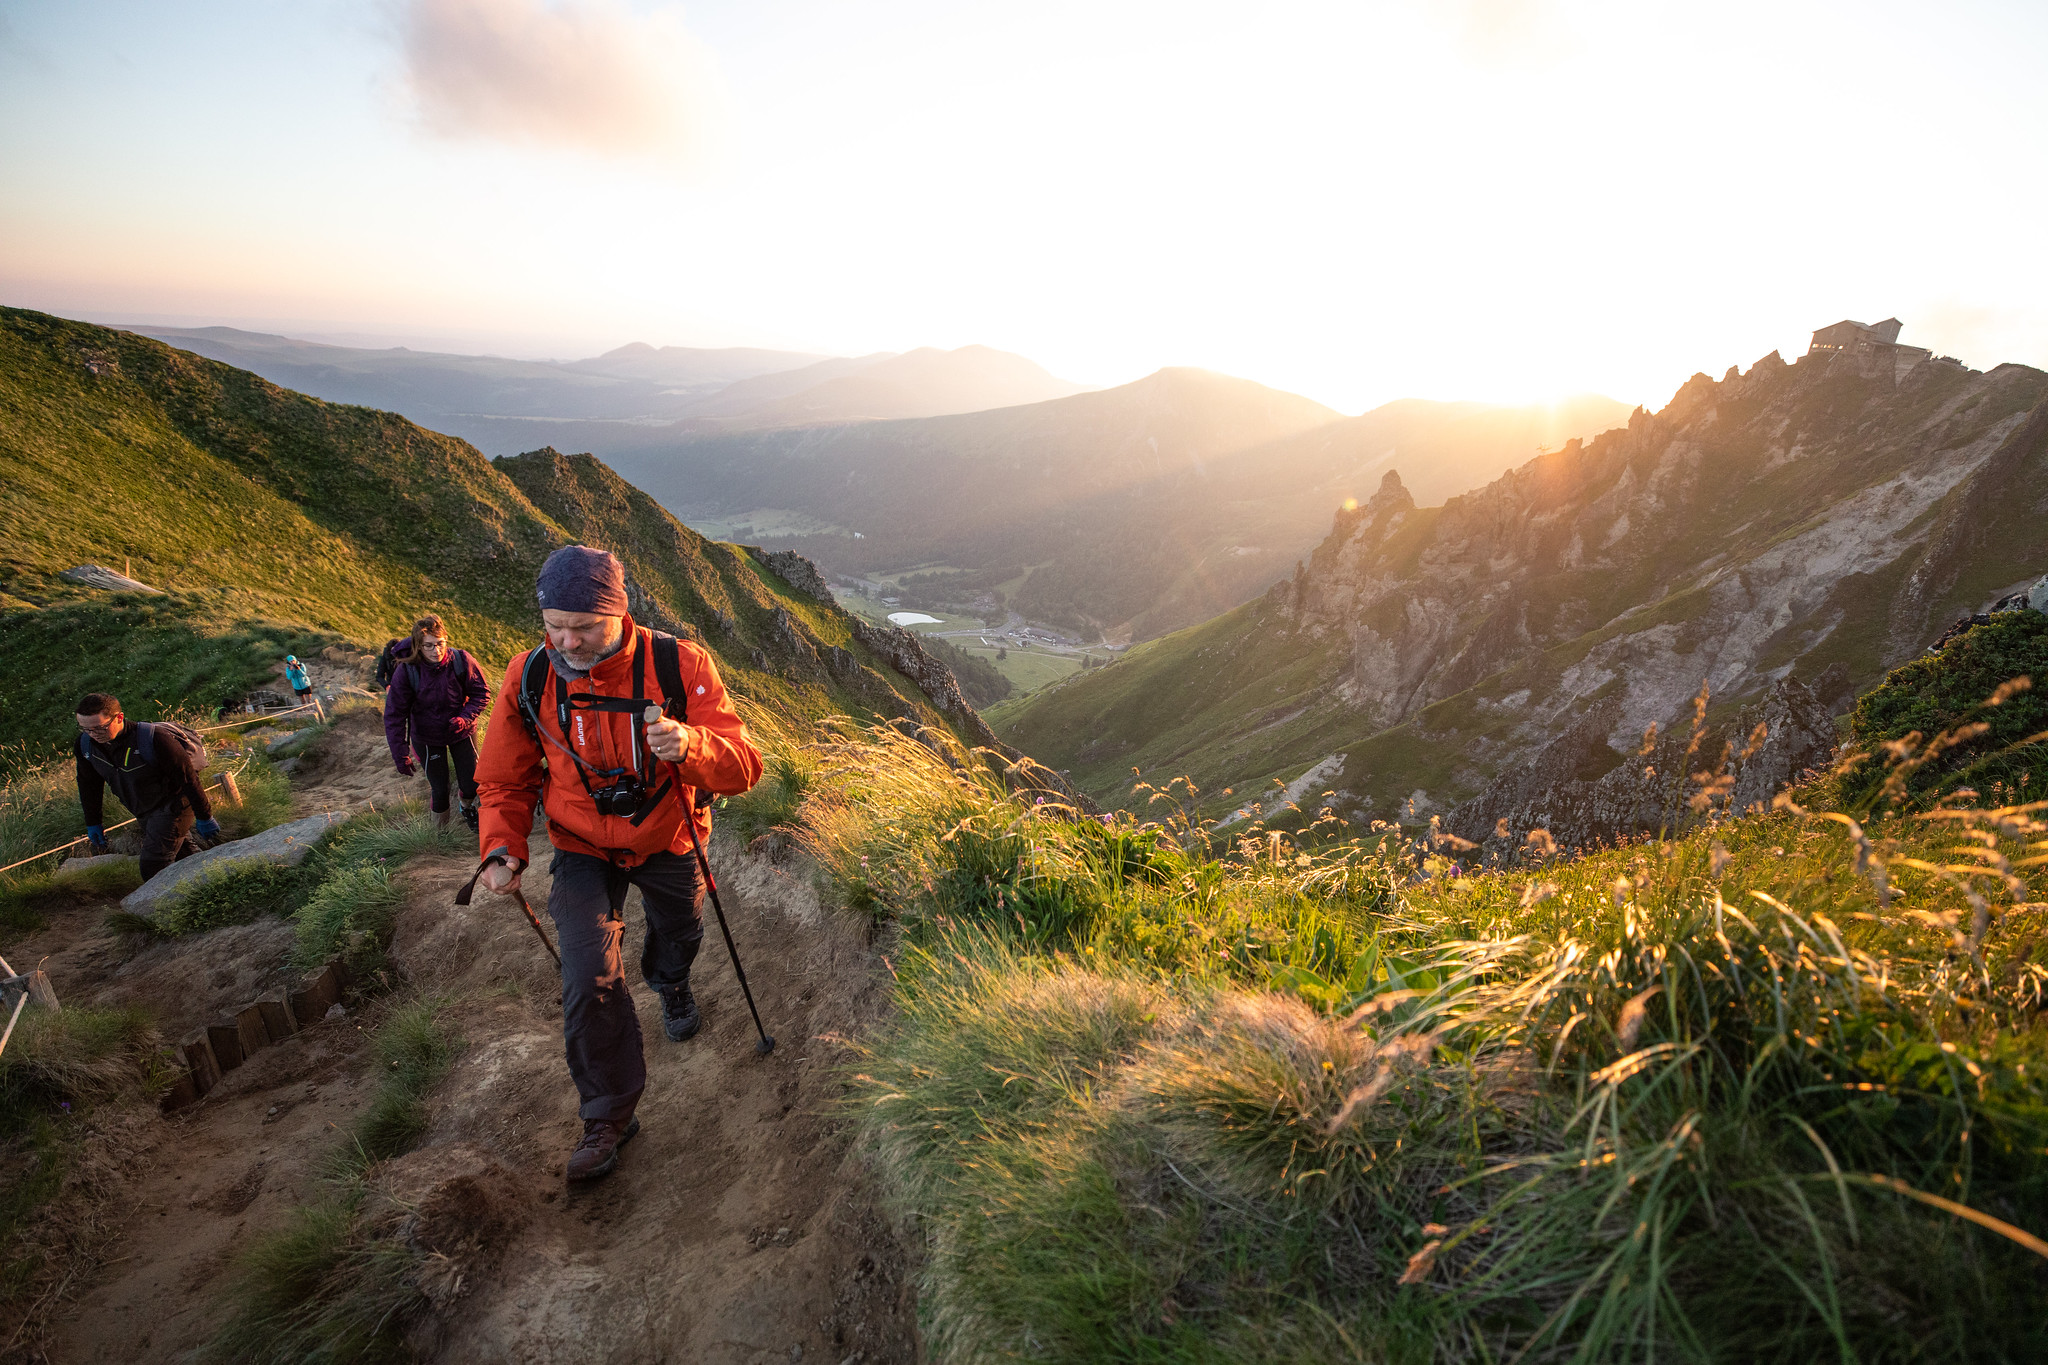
{"x": 451, "y": 695}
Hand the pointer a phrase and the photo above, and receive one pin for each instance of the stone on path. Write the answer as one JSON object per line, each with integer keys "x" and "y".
{"x": 285, "y": 845}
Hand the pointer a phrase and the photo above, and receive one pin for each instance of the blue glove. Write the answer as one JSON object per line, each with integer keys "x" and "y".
{"x": 207, "y": 829}
{"x": 96, "y": 835}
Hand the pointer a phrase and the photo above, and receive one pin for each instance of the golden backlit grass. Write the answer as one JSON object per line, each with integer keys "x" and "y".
{"x": 1770, "y": 1090}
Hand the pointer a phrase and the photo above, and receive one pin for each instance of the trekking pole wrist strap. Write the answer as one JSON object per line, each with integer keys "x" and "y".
{"x": 468, "y": 890}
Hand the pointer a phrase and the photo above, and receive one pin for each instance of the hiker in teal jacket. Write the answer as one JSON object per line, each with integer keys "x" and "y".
{"x": 295, "y": 674}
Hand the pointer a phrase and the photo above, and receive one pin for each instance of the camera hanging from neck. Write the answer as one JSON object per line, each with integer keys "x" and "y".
{"x": 623, "y": 791}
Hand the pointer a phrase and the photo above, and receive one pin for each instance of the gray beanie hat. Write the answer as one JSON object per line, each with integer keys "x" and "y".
{"x": 580, "y": 578}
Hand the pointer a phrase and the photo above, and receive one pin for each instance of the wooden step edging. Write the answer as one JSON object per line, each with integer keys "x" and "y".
{"x": 206, "y": 1054}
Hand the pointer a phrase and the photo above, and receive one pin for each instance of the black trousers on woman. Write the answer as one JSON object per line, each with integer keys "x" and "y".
{"x": 459, "y": 757}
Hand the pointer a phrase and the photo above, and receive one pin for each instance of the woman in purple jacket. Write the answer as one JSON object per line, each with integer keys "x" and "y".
{"x": 430, "y": 714}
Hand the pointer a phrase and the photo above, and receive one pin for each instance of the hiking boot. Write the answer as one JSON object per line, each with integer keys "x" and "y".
{"x": 442, "y": 817}
{"x": 598, "y": 1152}
{"x": 679, "y": 1017}
{"x": 469, "y": 816}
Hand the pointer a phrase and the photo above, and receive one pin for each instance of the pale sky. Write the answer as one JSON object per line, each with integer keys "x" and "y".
{"x": 1493, "y": 199}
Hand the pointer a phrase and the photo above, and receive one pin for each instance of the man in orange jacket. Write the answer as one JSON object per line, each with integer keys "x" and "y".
{"x": 615, "y": 818}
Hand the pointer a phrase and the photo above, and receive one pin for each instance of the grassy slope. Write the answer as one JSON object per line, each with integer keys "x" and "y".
{"x": 1236, "y": 699}
{"x": 1298, "y": 1103}
{"x": 278, "y": 521}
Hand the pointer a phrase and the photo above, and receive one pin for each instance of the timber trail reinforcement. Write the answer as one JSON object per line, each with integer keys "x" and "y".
{"x": 739, "y": 1227}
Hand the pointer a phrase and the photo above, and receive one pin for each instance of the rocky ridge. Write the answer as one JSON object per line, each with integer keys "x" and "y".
{"x": 1806, "y": 517}
{"x": 1750, "y": 528}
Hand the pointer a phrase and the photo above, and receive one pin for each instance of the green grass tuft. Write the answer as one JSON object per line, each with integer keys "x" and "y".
{"x": 234, "y": 894}
{"x": 413, "y": 1049}
{"x": 326, "y": 1288}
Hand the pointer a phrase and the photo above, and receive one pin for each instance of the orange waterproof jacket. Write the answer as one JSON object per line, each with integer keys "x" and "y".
{"x": 718, "y": 757}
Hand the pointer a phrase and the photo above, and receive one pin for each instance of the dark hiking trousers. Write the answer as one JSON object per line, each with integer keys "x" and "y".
{"x": 166, "y": 837}
{"x": 458, "y": 755}
{"x": 599, "y": 1023}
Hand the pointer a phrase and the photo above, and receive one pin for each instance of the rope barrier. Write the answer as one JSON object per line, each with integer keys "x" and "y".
{"x": 253, "y": 720}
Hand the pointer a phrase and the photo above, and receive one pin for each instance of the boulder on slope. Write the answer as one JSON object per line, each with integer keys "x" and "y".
{"x": 285, "y": 845}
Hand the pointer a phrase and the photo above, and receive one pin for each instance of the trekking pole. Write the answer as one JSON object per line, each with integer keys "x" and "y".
{"x": 463, "y": 896}
{"x": 534, "y": 920}
{"x": 767, "y": 1044}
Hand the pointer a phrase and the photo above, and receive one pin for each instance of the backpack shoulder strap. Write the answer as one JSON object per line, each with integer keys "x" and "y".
{"x": 668, "y": 671}
{"x": 145, "y": 741}
{"x": 533, "y": 681}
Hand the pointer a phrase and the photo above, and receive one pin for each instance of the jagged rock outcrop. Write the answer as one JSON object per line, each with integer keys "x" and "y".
{"x": 1754, "y": 524}
{"x": 905, "y": 653}
{"x": 795, "y": 570}
{"x": 1584, "y": 793}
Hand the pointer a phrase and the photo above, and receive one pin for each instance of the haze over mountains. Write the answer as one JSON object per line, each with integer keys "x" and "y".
{"x": 1125, "y": 512}
{"x": 630, "y": 395}
{"x": 1824, "y": 519}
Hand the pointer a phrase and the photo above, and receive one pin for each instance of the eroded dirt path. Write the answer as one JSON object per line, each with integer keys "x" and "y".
{"x": 739, "y": 1227}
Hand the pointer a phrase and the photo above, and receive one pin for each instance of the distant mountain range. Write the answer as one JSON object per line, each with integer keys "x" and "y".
{"x": 1126, "y": 512}
{"x": 629, "y": 396}
{"x": 1123, "y": 513}
{"x": 1824, "y": 519}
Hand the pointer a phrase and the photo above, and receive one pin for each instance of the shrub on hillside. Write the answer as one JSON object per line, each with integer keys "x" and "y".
{"x": 1961, "y": 718}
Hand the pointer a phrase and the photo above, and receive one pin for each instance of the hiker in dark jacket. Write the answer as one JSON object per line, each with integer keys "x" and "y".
{"x": 430, "y": 713}
{"x": 163, "y": 792}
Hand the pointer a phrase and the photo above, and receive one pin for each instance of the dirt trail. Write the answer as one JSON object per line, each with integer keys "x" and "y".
{"x": 351, "y": 765}
{"x": 739, "y": 1226}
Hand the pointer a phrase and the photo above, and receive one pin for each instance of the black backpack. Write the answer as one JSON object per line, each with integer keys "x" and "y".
{"x": 147, "y": 736}
{"x": 668, "y": 671}
{"x": 387, "y": 662}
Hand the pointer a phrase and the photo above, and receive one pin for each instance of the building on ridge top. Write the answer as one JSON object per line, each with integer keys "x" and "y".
{"x": 1872, "y": 349}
